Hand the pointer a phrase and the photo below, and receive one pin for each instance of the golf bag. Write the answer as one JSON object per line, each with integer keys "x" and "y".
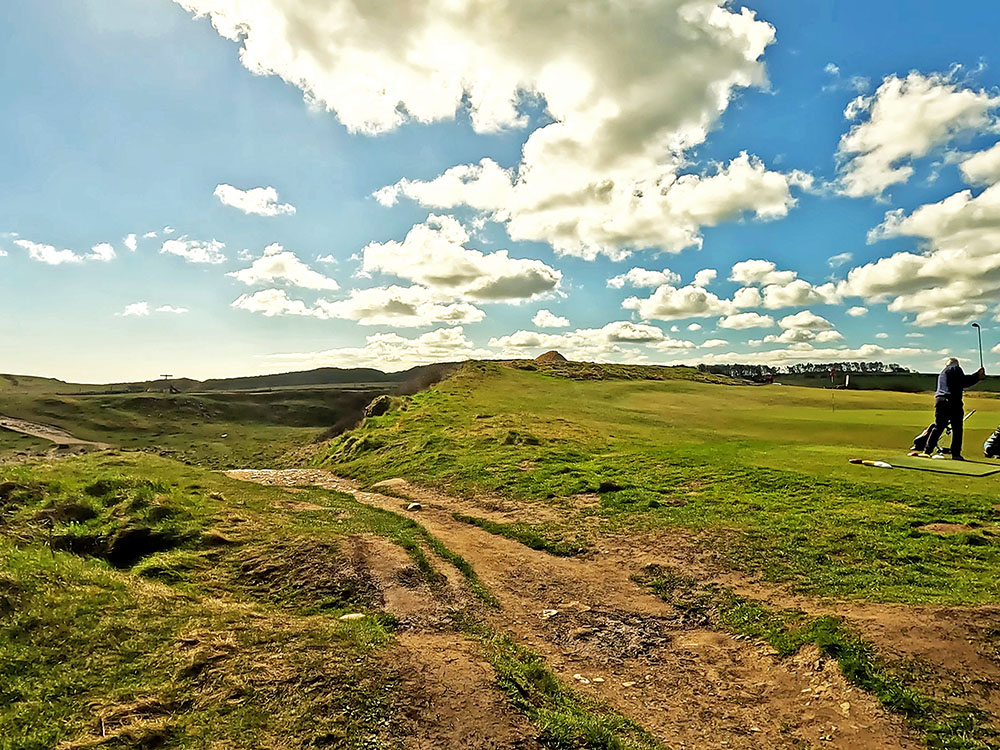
{"x": 991, "y": 448}
{"x": 920, "y": 441}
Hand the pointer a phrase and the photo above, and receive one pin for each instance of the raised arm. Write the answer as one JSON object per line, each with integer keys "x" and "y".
{"x": 970, "y": 380}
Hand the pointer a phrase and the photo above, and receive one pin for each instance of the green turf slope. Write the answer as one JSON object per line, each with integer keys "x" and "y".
{"x": 758, "y": 473}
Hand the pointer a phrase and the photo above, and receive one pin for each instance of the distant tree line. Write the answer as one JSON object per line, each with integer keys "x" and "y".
{"x": 760, "y": 373}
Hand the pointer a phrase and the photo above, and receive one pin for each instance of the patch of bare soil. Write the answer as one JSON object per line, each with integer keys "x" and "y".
{"x": 451, "y": 699}
{"x": 448, "y": 693}
{"x": 952, "y": 650}
{"x": 405, "y": 592}
{"x": 690, "y": 687}
{"x": 48, "y": 432}
{"x": 947, "y": 528}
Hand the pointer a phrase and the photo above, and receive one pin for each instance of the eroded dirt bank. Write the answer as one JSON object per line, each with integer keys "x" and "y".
{"x": 691, "y": 687}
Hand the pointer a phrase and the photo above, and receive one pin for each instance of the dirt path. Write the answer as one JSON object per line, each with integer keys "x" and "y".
{"x": 48, "y": 432}
{"x": 598, "y": 630}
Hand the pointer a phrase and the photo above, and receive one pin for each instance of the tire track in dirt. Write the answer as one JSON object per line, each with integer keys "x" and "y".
{"x": 598, "y": 630}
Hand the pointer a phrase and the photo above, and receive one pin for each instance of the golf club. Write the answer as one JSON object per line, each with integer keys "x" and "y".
{"x": 979, "y": 330}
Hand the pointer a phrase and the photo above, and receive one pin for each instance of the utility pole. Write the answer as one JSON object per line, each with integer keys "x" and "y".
{"x": 170, "y": 387}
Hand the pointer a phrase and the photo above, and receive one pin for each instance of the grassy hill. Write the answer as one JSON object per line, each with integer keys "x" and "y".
{"x": 224, "y": 423}
{"x": 146, "y": 601}
{"x": 217, "y": 428}
{"x": 760, "y": 473}
{"x": 323, "y": 376}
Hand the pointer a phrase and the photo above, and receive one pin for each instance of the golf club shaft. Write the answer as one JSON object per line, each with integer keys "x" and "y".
{"x": 979, "y": 330}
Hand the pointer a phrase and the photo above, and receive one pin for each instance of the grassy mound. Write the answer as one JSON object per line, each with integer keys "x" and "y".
{"x": 559, "y": 366}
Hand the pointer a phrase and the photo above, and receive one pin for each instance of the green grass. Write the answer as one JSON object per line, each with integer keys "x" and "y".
{"x": 760, "y": 474}
{"x": 217, "y": 429}
{"x": 225, "y": 630}
{"x": 14, "y": 444}
{"x": 943, "y": 725}
{"x": 159, "y": 644}
{"x": 525, "y": 534}
{"x": 566, "y": 721}
{"x": 86, "y": 650}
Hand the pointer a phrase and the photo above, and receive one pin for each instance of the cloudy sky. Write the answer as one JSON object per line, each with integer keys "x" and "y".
{"x": 220, "y": 187}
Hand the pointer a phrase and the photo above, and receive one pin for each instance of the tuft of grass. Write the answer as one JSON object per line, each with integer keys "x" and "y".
{"x": 525, "y": 534}
{"x": 943, "y": 725}
{"x": 565, "y": 720}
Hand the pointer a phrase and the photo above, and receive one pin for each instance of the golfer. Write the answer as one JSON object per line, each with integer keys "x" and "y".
{"x": 948, "y": 406}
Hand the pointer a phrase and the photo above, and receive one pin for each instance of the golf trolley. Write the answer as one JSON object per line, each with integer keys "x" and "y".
{"x": 991, "y": 448}
{"x": 920, "y": 441}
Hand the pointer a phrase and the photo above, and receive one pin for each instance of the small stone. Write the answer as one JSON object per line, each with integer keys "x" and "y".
{"x": 628, "y": 684}
{"x": 598, "y": 679}
{"x": 754, "y": 729}
{"x": 581, "y": 679}
{"x": 352, "y": 617}
{"x": 414, "y": 506}
{"x": 846, "y": 708}
{"x": 549, "y": 613}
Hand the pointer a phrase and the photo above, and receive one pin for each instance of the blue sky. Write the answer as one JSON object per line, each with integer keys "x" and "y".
{"x": 674, "y": 139}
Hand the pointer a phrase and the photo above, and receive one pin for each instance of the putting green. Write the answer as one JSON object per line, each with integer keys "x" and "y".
{"x": 946, "y": 466}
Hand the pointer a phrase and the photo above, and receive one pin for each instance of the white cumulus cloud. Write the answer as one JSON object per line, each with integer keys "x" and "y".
{"x": 103, "y": 252}
{"x": 955, "y": 278}
{"x": 434, "y": 255}
{"x": 906, "y": 119}
{"x": 261, "y": 201}
{"x": 835, "y": 261}
{"x": 47, "y": 253}
{"x": 410, "y": 306}
{"x": 195, "y": 251}
{"x": 704, "y": 277}
{"x": 643, "y": 277}
{"x": 271, "y": 302}
{"x": 546, "y": 319}
{"x": 629, "y": 89}
{"x": 280, "y": 266}
{"x": 671, "y": 303}
{"x": 742, "y": 321}
{"x": 131, "y": 242}
{"x": 760, "y": 272}
{"x": 983, "y": 167}
{"x": 137, "y": 309}
{"x": 391, "y": 352}
{"x": 614, "y": 339}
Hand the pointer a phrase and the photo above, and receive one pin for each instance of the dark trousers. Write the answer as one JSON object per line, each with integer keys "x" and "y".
{"x": 947, "y": 411}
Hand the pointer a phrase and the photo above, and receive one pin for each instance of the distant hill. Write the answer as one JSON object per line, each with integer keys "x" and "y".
{"x": 323, "y": 376}
{"x": 320, "y": 376}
